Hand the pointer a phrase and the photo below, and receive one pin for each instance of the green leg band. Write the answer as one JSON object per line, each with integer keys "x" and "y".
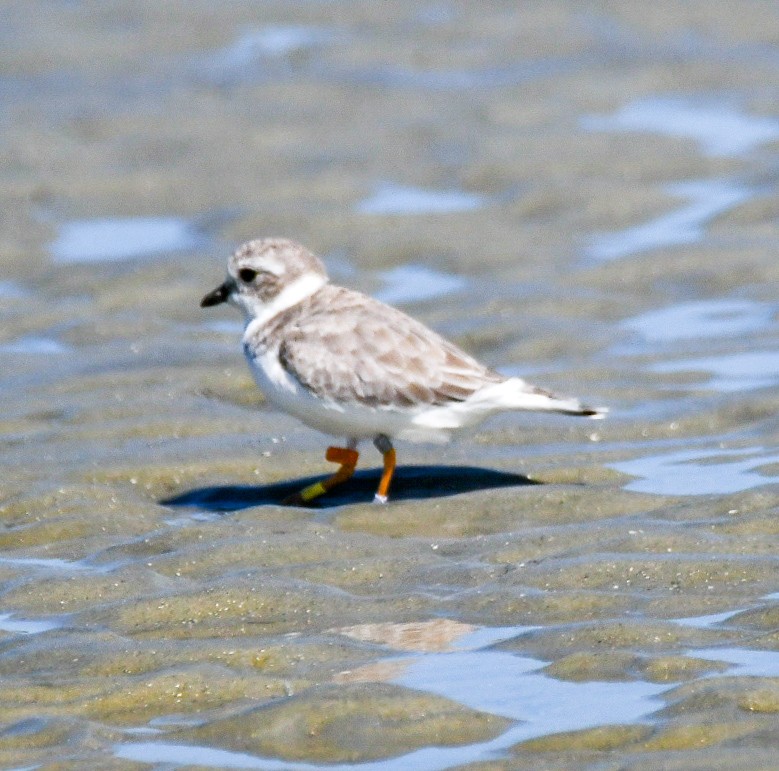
{"x": 313, "y": 491}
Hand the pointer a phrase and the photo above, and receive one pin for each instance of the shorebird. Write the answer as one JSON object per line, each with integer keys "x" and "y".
{"x": 351, "y": 366}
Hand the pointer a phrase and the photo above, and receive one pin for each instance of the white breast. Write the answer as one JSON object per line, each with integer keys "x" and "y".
{"x": 344, "y": 420}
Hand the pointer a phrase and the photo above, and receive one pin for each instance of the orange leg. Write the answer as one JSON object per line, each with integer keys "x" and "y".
{"x": 347, "y": 457}
{"x": 384, "y": 446}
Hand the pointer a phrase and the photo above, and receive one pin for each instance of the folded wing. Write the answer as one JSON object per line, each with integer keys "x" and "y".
{"x": 351, "y": 348}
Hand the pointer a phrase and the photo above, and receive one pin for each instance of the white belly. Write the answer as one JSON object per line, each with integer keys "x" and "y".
{"x": 286, "y": 393}
{"x": 350, "y": 420}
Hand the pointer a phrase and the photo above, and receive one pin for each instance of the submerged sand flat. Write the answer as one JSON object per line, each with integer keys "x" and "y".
{"x": 580, "y": 193}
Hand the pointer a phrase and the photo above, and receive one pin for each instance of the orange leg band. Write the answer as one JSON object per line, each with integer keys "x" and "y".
{"x": 348, "y": 460}
{"x": 342, "y": 455}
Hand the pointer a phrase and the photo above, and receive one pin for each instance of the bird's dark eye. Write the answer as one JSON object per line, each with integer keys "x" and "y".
{"x": 247, "y": 274}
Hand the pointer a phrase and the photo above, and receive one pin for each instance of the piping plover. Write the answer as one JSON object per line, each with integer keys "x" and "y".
{"x": 351, "y": 366}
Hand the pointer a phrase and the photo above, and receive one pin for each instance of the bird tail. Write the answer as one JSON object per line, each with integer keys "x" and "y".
{"x": 516, "y": 394}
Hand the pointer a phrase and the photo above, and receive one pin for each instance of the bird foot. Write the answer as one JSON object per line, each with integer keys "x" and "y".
{"x": 296, "y": 499}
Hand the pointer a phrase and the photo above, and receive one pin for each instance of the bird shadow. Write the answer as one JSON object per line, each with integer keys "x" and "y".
{"x": 409, "y": 483}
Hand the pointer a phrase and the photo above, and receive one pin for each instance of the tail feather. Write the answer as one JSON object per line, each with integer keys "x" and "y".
{"x": 516, "y": 394}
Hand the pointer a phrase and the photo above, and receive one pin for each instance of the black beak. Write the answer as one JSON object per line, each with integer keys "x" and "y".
{"x": 219, "y": 295}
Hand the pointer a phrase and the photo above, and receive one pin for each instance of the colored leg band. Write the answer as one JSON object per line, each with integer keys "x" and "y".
{"x": 348, "y": 460}
{"x": 342, "y": 455}
{"x": 312, "y": 491}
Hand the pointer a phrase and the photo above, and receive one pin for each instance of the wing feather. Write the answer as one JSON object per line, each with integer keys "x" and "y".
{"x": 348, "y": 347}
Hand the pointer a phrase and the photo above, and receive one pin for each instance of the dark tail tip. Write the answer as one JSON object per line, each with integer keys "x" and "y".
{"x": 596, "y": 413}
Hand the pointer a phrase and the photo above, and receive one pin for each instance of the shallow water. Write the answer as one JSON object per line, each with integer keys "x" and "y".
{"x": 114, "y": 238}
{"x": 255, "y": 43}
{"x": 393, "y": 199}
{"x": 702, "y": 319}
{"x": 731, "y": 371}
{"x": 494, "y": 682}
{"x": 413, "y": 283}
{"x": 719, "y": 128}
{"x": 25, "y": 626}
{"x": 33, "y": 345}
{"x": 700, "y": 472}
{"x": 580, "y": 194}
{"x": 685, "y": 225}
{"x": 469, "y": 673}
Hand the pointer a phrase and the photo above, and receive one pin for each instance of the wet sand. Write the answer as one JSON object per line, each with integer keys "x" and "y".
{"x": 582, "y": 194}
